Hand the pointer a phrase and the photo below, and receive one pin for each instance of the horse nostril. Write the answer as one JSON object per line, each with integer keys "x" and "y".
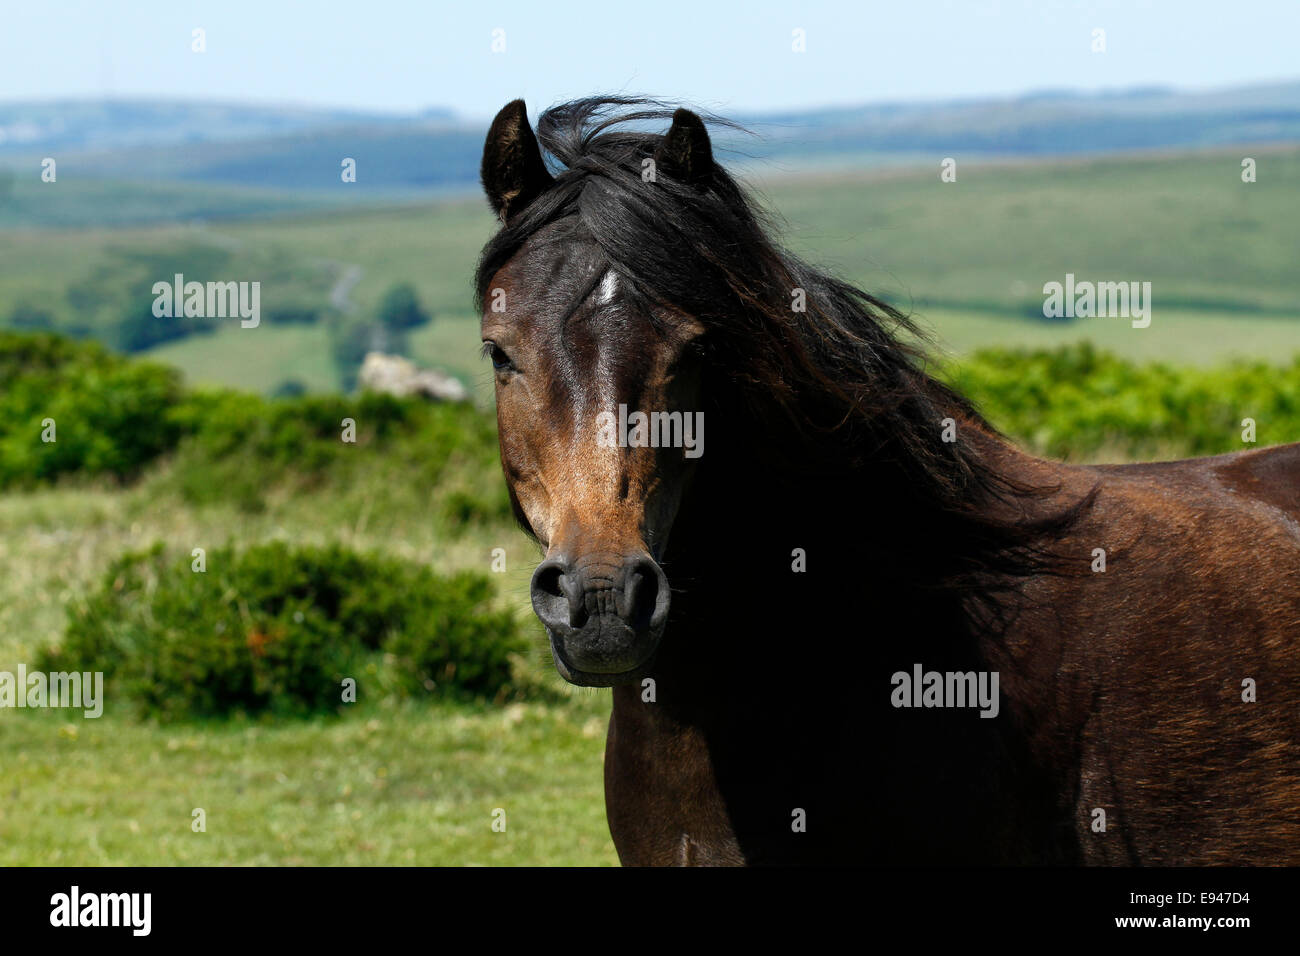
{"x": 565, "y": 596}
{"x": 557, "y": 596}
{"x": 645, "y": 594}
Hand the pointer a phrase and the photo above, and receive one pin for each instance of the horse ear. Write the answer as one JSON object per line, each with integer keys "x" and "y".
{"x": 513, "y": 172}
{"x": 685, "y": 153}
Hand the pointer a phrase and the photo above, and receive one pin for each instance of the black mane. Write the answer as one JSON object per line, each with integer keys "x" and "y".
{"x": 844, "y": 391}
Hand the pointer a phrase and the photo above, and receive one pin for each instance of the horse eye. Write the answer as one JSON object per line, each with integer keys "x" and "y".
{"x": 500, "y": 361}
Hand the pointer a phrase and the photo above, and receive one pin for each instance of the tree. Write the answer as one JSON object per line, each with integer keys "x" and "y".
{"x": 401, "y": 310}
{"x": 27, "y": 317}
{"x": 351, "y": 340}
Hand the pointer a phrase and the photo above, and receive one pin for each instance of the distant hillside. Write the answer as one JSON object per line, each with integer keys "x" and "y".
{"x": 390, "y": 157}
{"x": 282, "y": 159}
{"x": 1042, "y": 123}
{"x": 26, "y": 127}
{"x": 971, "y": 258}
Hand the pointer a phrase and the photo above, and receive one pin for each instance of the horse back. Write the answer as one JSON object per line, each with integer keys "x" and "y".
{"x": 1171, "y": 668}
{"x": 1270, "y": 476}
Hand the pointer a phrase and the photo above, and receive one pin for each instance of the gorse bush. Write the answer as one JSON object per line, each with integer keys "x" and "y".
{"x": 277, "y": 629}
{"x": 111, "y": 416}
{"x": 452, "y": 638}
{"x": 1076, "y": 400}
{"x": 114, "y": 416}
{"x": 240, "y": 445}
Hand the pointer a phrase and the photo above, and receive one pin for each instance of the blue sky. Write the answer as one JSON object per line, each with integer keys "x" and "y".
{"x": 395, "y": 56}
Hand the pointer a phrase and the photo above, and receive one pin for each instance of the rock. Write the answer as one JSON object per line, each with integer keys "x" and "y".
{"x": 394, "y": 375}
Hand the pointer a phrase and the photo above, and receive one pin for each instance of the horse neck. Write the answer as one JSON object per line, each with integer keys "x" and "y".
{"x": 753, "y": 496}
{"x": 774, "y": 572}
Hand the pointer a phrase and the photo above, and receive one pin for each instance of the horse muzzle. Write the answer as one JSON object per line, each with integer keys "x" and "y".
{"x": 604, "y": 614}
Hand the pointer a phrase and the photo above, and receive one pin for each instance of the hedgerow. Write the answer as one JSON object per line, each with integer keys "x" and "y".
{"x": 1077, "y": 400}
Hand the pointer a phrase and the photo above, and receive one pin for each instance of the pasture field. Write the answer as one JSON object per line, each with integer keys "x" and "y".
{"x": 1182, "y": 337}
{"x": 1186, "y": 223}
{"x": 77, "y": 202}
{"x": 1219, "y": 253}
{"x": 409, "y": 786}
{"x": 302, "y": 353}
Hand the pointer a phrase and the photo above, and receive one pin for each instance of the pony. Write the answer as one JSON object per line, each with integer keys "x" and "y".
{"x": 849, "y": 622}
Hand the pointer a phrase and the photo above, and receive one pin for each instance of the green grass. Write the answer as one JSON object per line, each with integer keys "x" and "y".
{"x": 64, "y": 204}
{"x": 255, "y": 360}
{"x": 71, "y": 202}
{"x": 433, "y": 245}
{"x": 1184, "y": 222}
{"x": 403, "y": 786}
{"x": 260, "y": 359}
{"x": 1178, "y": 336}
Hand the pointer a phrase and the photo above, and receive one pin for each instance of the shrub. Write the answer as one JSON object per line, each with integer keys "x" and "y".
{"x": 275, "y": 629}
{"x": 25, "y": 316}
{"x": 241, "y": 444}
{"x": 289, "y": 388}
{"x": 294, "y": 313}
{"x": 111, "y": 416}
{"x": 137, "y": 328}
{"x": 1077, "y": 400}
{"x": 454, "y": 638}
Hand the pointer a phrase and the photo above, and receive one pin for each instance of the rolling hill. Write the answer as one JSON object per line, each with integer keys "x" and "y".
{"x": 266, "y": 160}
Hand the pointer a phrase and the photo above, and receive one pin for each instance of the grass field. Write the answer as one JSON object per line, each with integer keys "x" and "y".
{"x": 1180, "y": 336}
{"x": 1186, "y": 223}
{"x": 72, "y": 202}
{"x": 302, "y": 353}
{"x": 1219, "y": 253}
{"x": 402, "y": 786}
{"x": 969, "y": 258}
